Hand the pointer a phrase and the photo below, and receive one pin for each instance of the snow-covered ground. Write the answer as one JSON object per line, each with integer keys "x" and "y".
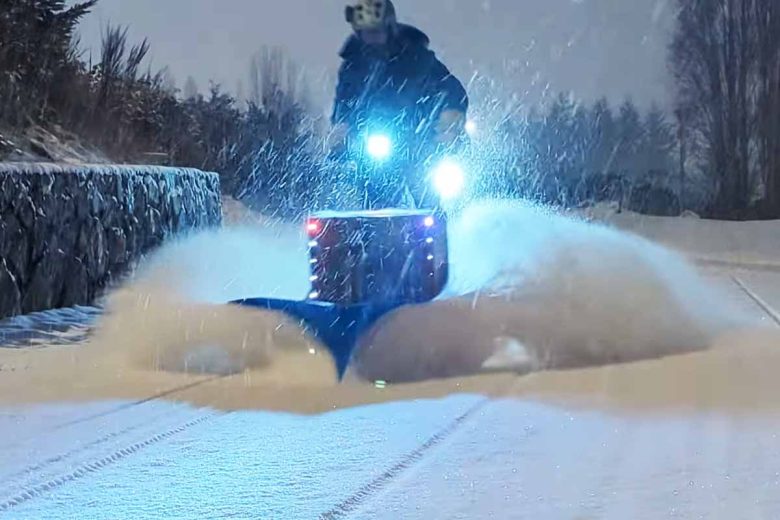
{"x": 685, "y": 430}
{"x": 755, "y": 244}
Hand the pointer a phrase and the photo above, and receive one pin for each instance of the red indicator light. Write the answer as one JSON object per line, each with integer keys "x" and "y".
{"x": 313, "y": 227}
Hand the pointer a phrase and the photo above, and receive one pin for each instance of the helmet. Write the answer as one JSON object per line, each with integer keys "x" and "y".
{"x": 371, "y": 14}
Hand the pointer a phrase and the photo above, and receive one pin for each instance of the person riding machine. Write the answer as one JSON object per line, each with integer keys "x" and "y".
{"x": 399, "y": 122}
{"x": 399, "y": 114}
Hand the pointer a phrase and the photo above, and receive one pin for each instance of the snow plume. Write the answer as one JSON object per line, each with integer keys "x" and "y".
{"x": 532, "y": 290}
{"x": 529, "y": 290}
{"x": 172, "y": 316}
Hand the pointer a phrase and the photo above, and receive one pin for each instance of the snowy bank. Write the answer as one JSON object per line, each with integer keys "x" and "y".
{"x": 68, "y": 230}
{"x": 749, "y": 243}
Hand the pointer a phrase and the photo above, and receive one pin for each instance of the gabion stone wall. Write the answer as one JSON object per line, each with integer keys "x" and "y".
{"x": 67, "y": 231}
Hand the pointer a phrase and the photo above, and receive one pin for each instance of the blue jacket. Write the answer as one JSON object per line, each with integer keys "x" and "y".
{"x": 406, "y": 82}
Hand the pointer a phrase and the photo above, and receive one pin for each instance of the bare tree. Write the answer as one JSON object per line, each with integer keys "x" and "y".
{"x": 725, "y": 59}
{"x": 190, "y": 88}
{"x": 240, "y": 93}
{"x": 255, "y": 97}
{"x": 276, "y": 83}
{"x": 168, "y": 81}
{"x": 767, "y": 18}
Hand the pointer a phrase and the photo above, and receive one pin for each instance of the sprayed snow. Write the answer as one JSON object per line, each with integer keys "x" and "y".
{"x": 529, "y": 289}
{"x": 172, "y": 315}
{"x": 570, "y": 293}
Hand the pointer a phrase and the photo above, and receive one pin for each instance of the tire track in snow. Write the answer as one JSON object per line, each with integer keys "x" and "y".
{"x": 36, "y": 491}
{"x": 42, "y": 465}
{"x": 140, "y": 402}
{"x": 121, "y": 408}
{"x": 768, "y": 309}
{"x": 364, "y": 493}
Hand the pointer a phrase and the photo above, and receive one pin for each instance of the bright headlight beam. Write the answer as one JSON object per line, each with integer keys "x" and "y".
{"x": 379, "y": 146}
{"x": 449, "y": 179}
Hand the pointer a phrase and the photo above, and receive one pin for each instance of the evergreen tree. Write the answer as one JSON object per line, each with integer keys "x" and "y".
{"x": 554, "y": 136}
{"x": 604, "y": 139}
{"x": 629, "y": 139}
{"x": 36, "y": 42}
{"x": 658, "y": 143}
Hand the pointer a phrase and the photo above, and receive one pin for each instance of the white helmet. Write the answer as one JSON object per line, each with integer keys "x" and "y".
{"x": 371, "y": 14}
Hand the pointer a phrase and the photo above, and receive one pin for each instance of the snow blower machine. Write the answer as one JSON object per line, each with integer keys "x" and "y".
{"x": 368, "y": 263}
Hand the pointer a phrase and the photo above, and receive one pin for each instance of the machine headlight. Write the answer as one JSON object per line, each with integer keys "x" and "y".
{"x": 379, "y": 146}
{"x": 449, "y": 178}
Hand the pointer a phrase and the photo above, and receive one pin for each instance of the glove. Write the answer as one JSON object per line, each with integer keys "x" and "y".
{"x": 450, "y": 126}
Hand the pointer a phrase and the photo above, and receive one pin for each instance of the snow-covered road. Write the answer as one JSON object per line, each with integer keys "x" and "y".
{"x": 98, "y": 430}
{"x": 461, "y": 457}
{"x": 533, "y": 453}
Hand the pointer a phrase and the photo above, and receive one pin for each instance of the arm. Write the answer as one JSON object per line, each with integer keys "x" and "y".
{"x": 345, "y": 94}
{"x": 451, "y": 101}
{"x": 446, "y": 87}
{"x": 343, "y": 108}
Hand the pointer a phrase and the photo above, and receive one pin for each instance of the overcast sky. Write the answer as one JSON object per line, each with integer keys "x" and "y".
{"x": 615, "y": 48}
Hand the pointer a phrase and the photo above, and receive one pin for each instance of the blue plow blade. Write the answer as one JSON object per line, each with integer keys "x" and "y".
{"x": 338, "y": 327}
